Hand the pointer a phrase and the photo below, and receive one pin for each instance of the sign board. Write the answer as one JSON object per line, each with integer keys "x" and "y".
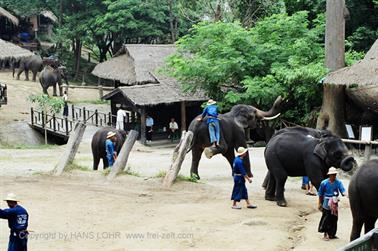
{"x": 350, "y": 131}
{"x": 366, "y": 133}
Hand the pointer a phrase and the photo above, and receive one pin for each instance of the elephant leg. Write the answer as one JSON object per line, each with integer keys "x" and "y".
{"x": 34, "y": 76}
{"x": 105, "y": 162}
{"x": 266, "y": 180}
{"x": 27, "y": 75}
{"x": 271, "y": 187}
{"x": 54, "y": 90}
{"x": 45, "y": 91}
{"x": 230, "y": 156}
{"x": 369, "y": 223}
{"x": 19, "y": 73}
{"x": 96, "y": 161}
{"x": 60, "y": 90}
{"x": 356, "y": 228}
{"x": 280, "y": 176}
{"x": 196, "y": 156}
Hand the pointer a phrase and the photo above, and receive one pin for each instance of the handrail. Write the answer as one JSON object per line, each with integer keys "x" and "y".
{"x": 366, "y": 242}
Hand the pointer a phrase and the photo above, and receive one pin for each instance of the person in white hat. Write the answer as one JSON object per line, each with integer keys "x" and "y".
{"x": 111, "y": 154}
{"x": 328, "y": 203}
{"x": 18, "y": 219}
{"x": 211, "y": 111}
{"x": 239, "y": 192}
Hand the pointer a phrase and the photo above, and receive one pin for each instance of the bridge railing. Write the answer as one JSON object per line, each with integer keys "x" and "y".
{"x": 368, "y": 242}
{"x": 93, "y": 117}
{"x": 51, "y": 122}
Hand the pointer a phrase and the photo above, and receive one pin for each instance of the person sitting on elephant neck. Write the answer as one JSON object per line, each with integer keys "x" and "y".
{"x": 211, "y": 111}
{"x": 111, "y": 154}
{"x": 239, "y": 192}
{"x": 328, "y": 203}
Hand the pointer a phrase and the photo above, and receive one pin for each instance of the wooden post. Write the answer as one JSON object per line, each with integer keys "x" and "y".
{"x": 71, "y": 148}
{"x": 32, "y": 115}
{"x": 121, "y": 161}
{"x": 96, "y": 117}
{"x": 73, "y": 112}
{"x": 367, "y": 152}
{"x": 332, "y": 113}
{"x": 143, "y": 125}
{"x": 183, "y": 116}
{"x": 100, "y": 91}
{"x": 177, "y": 159}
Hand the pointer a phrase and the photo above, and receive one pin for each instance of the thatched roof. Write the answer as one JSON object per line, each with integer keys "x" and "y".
{"x": 8, "y": 15}
{"x": 137, "y": 66}
{"x": 362, "y": 73}
{"x": 49, "y": 15}
{"x": 9, "y": 51}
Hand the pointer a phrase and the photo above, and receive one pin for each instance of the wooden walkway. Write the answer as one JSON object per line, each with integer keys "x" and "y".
{"x": 62, "y": 126}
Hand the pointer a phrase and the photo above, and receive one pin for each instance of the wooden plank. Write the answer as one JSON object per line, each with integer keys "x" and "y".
{"x": 71, "y": 148}
{"x": 123, "y": 156}
{"x": 177, "y": 159}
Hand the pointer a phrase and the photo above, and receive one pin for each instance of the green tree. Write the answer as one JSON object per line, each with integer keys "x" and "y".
{"x": 48, "y": 105}
{"x": 280, "y": 55}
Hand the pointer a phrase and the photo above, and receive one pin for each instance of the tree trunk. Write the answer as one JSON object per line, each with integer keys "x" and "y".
{"x": 71, "y": 148}
{"x": 123, "y": 156}
{"x": 77, "y": 53}
{"x": 177, "y": 159}
{"x": 171, "y": 22}
{"x": 332, "y": 114}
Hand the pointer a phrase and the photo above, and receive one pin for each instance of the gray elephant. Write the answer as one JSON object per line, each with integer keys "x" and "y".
{"x": 98, "y": 145}
{"x": 301, "y": 151}
{"x": 232, "y": 133}
{"x": 363, "y": 198}
{"x": 33, "y": 63}
{"x": 51, "y": 77}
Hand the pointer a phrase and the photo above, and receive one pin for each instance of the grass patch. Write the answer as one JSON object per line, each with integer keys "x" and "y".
{"x": 161, "y": 174}
{"x": 106, "y": 171}
{"x": 129, "y": 172}
{"x": 25, "y": 146}
{"x": 74, "y": 166}
{"x": 193, "y": 179}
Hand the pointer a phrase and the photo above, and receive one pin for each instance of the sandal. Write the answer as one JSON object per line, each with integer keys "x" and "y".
{"x": 252, "y": 206}
{"x": 236, "y": 207}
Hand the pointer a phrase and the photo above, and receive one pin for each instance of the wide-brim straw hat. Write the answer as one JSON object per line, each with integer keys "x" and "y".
{"x": 110, "y": 134}
{"x": 241, "y": 150}
{"x": 11, "y": 197}
{"x": 211, "y": 102}
{"x": 332, "y": 170}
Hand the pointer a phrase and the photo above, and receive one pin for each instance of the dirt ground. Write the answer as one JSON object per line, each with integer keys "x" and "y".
{"x": 81, "y": 210}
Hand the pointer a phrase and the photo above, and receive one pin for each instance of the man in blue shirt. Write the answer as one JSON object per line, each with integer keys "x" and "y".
{"x": 328, "y": 203}
{"x": 211, "y": 111}
{"x": 18, "y": 219}
{"x": 239, "y": 192}
{"x": 149, "y": 125}
{"x": 111, "y": 154}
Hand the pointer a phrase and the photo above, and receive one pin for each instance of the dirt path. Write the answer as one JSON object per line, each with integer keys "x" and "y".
{"x": 81, "y": 211}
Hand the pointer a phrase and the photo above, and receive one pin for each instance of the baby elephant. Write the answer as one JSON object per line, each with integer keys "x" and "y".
{"x": 363, "y": 198}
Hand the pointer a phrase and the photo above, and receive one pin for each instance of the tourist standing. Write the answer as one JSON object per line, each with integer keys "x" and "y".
{"x": 65, "y": 108}
{"x": 149, "y": 128}
{"x": 173, "y": 128}
{"x": 121, "y": 118}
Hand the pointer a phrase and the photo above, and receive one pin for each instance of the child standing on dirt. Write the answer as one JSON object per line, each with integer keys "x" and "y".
{"x": 239, "y": 192}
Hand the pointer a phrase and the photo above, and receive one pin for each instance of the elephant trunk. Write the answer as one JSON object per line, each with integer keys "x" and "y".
{"x": 273, "y": 113}
{"x": 348, "y": 163}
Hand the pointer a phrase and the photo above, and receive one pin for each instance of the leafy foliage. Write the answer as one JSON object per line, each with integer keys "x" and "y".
{"x": 46, "y": 103}
{"x": 280, "y": 55}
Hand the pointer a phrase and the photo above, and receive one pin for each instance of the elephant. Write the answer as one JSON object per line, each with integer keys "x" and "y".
{"x": 302, "y": 151}
{"x": 363, "y": 198}
{"x": 33, "y": 63}
{"x": 98, "y": 145}
{"x": 50, "y": 77}
{"x": 232, "y": 133}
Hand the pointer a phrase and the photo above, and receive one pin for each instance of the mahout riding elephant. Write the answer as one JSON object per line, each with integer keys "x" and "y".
{"x": 50, "y": 77}
{"x": 232, "y": 133}
{"x": 363, "y": 198}
{"x": 33, "y": 63}
{"x": 98, "y": 145}
{"x": 302, "y": 151}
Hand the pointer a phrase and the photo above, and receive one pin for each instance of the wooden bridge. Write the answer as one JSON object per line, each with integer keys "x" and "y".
{"x": 62, "y": 126}
{"x": 3, "y": 94}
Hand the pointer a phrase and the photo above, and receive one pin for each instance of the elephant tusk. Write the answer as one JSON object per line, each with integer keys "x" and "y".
{"x": 271, "y": 118}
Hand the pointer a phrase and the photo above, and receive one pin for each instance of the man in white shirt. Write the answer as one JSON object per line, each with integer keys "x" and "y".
{"x": 173, "y": 127}
{"x": 149, "y": 125}
{"x": 121, "y": 118}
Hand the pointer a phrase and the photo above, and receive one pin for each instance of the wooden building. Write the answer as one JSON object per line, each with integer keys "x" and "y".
{"x": 8, "y": 24}
{"x": 141, "y": 88}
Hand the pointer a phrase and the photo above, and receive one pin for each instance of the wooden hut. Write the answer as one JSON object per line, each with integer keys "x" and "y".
{"x": 361, "y": 80}
{"x": 142, "y": 88}
{"x": 8, "y": 24}
{"x": 10, "y": 52}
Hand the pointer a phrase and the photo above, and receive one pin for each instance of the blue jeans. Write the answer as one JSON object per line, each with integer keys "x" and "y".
{"x": 305, "y": 180}
{"x": 214, "y": 131}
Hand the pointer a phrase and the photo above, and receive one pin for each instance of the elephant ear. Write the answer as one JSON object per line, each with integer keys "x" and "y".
{"x": 320, "y": 150}
{"x": 241, "y": 115}
{"x": 241, "y": 121}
